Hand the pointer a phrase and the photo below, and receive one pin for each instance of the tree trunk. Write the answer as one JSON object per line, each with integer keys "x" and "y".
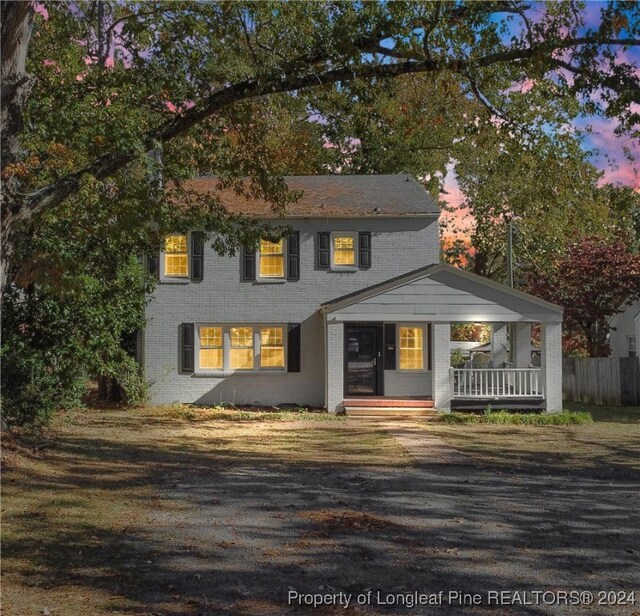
{"x": 17, "y": 20}
{"x": 109, "y": 389}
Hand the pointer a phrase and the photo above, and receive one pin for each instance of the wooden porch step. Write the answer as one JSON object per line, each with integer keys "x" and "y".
{"x": 388, "y": 403}
{"x": 390, "y": 412}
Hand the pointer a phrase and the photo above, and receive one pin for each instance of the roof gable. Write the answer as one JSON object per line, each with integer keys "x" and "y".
{"x": 442, "y": 292}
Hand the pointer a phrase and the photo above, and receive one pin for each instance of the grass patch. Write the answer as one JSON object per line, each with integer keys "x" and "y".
{"x": 78, "y": 513}
{"x": 566, "y": 418}
{"x": 226, "y": 413}
{"x": 607, "y": 413}
{"x": 602, "y": 448}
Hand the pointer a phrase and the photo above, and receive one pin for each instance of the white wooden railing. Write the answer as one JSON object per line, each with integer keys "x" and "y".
{"x": 496, "y": 382}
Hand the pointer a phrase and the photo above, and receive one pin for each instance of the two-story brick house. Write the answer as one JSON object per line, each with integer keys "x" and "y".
{"x": 352, "y": 309}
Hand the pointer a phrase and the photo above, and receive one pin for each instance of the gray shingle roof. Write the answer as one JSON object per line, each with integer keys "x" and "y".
{"x": 335, "y": 196}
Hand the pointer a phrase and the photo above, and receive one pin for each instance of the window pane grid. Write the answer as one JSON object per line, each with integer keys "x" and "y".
{"x": 175, "y": 258}
{"x": 271, "y": 347}
{"x": 211, "y": 354}
{"x": 411, "y": 348}
{"x": 343, "y": 250}
{"x": 241, "y": 355}
{"x": 271, "y": 259}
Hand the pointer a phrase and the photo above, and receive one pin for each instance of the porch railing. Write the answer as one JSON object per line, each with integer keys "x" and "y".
{"x": 496, "y": 383}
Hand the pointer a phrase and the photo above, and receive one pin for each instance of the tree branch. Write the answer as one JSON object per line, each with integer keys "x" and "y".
{"x": 111, "y": 162}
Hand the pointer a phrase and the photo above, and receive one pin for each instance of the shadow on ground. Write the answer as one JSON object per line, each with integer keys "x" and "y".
{"x": 219, "y": 527}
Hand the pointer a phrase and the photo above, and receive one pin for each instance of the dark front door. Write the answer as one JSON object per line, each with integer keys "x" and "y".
{"x": 363, "y": 365}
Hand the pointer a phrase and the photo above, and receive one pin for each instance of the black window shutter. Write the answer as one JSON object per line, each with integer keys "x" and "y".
{"x": 389, "y": 346}
{"x": 293, "y": 348}
{"x": 187, "y": 347}
{"x": 364, "y": 250}
{"x": 323, "y": 250}
{"x": 197, "y": 255}
{"x": 152, "y": 265}
{"x": 429, "y": 367}
{"x": 248, "y": 264}
{"x": 293, "y": 256}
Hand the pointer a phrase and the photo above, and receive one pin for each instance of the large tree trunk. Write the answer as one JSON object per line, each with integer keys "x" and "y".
{"x": 17, "y": 20}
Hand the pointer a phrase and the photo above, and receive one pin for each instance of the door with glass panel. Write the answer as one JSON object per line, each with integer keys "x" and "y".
{"x": 363, "y": 366}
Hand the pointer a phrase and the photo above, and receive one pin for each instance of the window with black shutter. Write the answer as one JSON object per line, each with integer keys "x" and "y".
{"x": 248, "y": 264}
{"x": 197, "y": 256}
{"x": 293, "y": 347}
{"x": 152, "y": 265}
{"x": 186, "y": 348}
{"x": 293, "y": 256}
{"x": 364, "y": 250}
{"x": 323, "y": 250}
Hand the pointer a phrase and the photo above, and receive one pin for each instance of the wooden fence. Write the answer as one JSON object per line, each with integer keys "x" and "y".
{"x": 614, "y": 381}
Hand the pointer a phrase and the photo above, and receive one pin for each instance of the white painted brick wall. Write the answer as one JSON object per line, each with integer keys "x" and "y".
{"x": 499, "y": 344}
{"x": 335, "y": 366}
{"x": 521, "y": 346}
{"x": 551, "y": 340}
{"x": 442, "y": 393}
{"x": 399, "y": 246}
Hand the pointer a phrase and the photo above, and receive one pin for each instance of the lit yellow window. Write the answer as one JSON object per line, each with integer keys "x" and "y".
{"x": 211, "y": 354}
{"x": 271, "y": 259}
{"x": 343, "y": 250}
{"x": 271, "y": 347}
{"x": 241, "y": 348}
{"x": 175, "y": 257}
{"x": 411, "y": 348}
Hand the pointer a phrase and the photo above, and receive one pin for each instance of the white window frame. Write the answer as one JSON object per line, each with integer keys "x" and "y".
{"x": 425, "y": 349}
{"x": 227, "y": 354}
{"x": 340, "y": 267}
{"x": 284, "y": 348}
{"x": 273, "y": 279}
{"x": 197, "y": 349}
{"x": 635, "y": 346}
{"x": 176, "y": 279}
{"x": 226, "y": 349}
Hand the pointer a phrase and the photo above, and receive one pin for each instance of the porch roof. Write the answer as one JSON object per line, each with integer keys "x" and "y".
{"x": 442, "y": 293}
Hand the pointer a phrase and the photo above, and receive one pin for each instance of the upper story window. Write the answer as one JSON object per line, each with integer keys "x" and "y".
{"x": 343, "y": 250}
{"x": 632, "y": 350}
{"x": 411, "y": 344}
{"x": 176, "y": 258}
{"x": 271, "y": 259}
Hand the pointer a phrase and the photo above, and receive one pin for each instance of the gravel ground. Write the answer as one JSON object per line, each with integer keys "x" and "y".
{"x": 152, "y": 515}
{"x": 243, "y": 538}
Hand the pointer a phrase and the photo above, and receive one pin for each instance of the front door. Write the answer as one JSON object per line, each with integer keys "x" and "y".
{"x": 363, "y": 365}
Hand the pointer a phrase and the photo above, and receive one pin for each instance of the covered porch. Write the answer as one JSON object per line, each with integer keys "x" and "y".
{"x": 390, "y": 344}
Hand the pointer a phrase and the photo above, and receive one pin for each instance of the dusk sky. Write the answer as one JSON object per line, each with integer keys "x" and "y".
{"x": 608, "y": 148}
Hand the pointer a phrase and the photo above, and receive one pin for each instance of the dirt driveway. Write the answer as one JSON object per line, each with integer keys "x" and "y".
{"x": 145, "y": 514}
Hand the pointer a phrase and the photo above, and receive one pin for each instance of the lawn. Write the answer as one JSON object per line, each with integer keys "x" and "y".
{"x": 610, "y": 446}
{"x": 74, "y": 512}
{"x": 180, "y": 511}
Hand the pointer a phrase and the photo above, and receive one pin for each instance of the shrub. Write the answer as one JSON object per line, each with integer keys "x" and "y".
{"x": 565, "y": 418}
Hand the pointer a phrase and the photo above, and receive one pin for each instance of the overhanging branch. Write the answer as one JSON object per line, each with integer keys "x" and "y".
{"x": 111, "y": 162}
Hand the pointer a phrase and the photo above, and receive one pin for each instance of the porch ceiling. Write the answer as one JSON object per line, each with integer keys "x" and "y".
{"x": 442, "y": 293}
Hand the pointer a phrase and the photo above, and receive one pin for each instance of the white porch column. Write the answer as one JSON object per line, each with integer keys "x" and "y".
{"x": 441, "y": 348}
{"x": 499, "y": 345}
{"x": 335, "y": 365}
{"x": 521, "y": 345}
{"x": 551, "y": 339}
